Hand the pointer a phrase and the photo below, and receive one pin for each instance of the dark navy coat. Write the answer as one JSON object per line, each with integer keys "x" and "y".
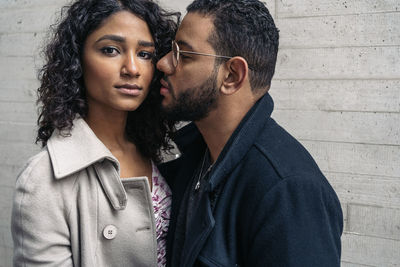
{"x": 266, "y": 204}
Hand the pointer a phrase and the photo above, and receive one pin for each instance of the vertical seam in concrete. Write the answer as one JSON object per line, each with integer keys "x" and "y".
{"x": 347, "y": 222}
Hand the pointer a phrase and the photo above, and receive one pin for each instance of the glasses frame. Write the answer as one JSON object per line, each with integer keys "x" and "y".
{"x": 175, "y": 56}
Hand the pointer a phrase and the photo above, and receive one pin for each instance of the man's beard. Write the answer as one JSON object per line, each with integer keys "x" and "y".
{"x": 194, "y": 103}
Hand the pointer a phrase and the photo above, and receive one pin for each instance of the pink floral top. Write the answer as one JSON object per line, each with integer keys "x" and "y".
{"x": 161, "y": 196}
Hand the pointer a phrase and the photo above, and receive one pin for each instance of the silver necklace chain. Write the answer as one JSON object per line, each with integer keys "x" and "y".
{"x": 201, "y": 175}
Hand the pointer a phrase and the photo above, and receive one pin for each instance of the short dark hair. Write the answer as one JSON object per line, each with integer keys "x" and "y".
{"x": 243, "y": 28}
{"x": 61, "y": 94}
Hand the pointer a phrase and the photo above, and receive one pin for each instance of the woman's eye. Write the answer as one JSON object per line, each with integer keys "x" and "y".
{"x": 146, "y": 55}
{"x": 111, "y": 51}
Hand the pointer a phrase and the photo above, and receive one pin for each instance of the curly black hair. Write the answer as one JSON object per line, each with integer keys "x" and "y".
{"x": 243, "y": 28}
{"x": 61, "y": 95}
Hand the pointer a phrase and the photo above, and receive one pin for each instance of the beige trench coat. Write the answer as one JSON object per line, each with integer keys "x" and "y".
{"x": 72, "y": 209}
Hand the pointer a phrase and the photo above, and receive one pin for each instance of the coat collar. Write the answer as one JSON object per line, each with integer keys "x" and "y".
{"x": 76, "y": 151}
{"x": 80, "y": 149}
{"x": 238, "y": 144}
{"x": 242, "y": 139}
{"x": 192, "y": 145}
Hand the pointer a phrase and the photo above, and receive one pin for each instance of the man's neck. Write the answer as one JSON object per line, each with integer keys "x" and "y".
{"x": 220, "y": 124}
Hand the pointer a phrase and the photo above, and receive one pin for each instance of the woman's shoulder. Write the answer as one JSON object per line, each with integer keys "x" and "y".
{"x": 40, "y": 203}
{"x": 36, "y": 186}
{"x": 37, "y": 175}
{"x": 38, "y": 165}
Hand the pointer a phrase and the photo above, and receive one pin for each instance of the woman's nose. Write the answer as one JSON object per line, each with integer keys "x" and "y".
{"x": 130, "y": 66}
{"x": 165, "y": 64}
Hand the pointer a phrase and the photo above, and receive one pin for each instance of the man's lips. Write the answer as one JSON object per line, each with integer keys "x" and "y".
{"x": 165, "y": 87}
{"x": 165, "y": 84}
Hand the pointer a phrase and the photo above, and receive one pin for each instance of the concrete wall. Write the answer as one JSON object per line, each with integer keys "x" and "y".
{"x": 337, "y": 89}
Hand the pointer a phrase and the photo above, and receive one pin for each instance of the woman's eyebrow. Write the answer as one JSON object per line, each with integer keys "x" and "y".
{"x": 120, "y": 39}
{"x": 112, "y": 37}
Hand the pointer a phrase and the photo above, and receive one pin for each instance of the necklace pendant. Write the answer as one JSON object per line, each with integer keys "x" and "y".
{"x": 197, "y": 187}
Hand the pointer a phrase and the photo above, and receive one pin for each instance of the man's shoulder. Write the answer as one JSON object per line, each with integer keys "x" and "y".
{"x": 284, "y": 152}
{"x": 277, "y": 160}
{"x": 278, "y": 166}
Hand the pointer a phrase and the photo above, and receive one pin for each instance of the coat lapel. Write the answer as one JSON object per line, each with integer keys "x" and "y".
{"x": 80, "y": 149}
{"x": 192, "y": 145}
{"x": 198, "y": 231}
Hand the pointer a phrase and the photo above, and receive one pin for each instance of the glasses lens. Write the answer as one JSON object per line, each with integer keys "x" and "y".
{"x": 175, "y": 54}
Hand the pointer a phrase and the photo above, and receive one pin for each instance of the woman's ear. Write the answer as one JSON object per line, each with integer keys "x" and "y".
{"x": 235, "y": 75}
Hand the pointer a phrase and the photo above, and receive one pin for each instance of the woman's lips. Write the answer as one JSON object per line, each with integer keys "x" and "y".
{"x": 129, "y": 89}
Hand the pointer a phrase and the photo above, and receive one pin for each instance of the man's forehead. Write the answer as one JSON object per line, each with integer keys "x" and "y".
{"x": 194, "y": 30}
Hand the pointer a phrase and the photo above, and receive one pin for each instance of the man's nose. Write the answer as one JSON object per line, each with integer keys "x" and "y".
{"x": 165, "y": 64}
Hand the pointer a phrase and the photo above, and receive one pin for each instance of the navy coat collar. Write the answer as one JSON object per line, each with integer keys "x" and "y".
{"x": 192, "y": 145}
{"x": 239, "y": 143}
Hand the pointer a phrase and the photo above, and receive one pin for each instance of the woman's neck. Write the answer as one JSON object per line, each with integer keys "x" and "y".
{"x": 109, "y": 126}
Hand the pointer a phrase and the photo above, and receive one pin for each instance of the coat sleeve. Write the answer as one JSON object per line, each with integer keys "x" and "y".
{"x": 298, "y": 222}
{"x": 38, "y": 223}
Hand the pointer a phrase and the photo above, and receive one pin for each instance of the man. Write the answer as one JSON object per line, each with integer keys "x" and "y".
{"x": 245, "y": 192}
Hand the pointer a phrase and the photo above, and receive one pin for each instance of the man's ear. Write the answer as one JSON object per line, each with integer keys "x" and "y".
{"x": 235, "y": 74}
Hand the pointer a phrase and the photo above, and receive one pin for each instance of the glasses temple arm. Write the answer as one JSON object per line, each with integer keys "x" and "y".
{"x": 202, "y": 54}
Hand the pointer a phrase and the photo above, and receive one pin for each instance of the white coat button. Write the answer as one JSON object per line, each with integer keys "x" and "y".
{"x": 110, "y": 231}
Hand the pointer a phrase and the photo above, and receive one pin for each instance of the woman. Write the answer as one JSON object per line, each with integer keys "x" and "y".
{"x": 86, "y": 198}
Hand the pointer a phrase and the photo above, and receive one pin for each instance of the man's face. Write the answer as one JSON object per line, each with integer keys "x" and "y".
{"x": 190, "y": 90}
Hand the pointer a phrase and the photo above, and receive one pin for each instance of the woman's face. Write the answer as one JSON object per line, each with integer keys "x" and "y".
{"x": 117, "y": 63}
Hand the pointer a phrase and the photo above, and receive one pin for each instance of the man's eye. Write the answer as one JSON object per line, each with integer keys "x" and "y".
{"x": 183, "y": 56}
{"x": 146, "y": 55}
{"x": 111, "y": 51}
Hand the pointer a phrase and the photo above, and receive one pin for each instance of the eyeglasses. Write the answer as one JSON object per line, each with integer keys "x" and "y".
{"x": 176, "y": 52}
